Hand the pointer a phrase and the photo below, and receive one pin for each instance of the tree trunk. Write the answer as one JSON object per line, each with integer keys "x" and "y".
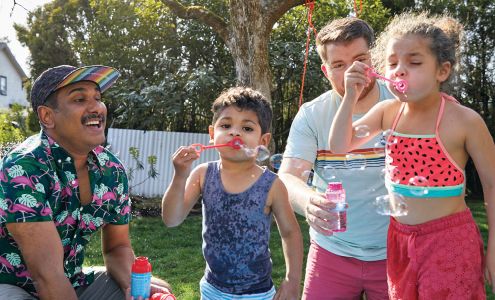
{"x": 248, "y": 43}
{"x": 246, "y": 34}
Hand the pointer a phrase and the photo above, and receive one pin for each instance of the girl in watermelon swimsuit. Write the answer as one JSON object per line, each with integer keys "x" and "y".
{"x": 435, "y": 251}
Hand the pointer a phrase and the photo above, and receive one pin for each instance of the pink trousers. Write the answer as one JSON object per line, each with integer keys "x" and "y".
{"x": 332, "y": 277}
{"x": 440, "y": 259}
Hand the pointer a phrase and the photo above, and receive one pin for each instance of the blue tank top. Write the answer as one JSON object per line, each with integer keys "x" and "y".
{"x": 236, "y": 234}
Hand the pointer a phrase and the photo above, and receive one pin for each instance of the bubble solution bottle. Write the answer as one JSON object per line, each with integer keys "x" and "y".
{"x": 141, "y": 278}
{"x": 336, "y": 194}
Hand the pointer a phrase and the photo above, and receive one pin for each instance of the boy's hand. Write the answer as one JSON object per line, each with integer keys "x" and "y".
{"x": 289, "y": 290}
{"x": 183, "y": 159}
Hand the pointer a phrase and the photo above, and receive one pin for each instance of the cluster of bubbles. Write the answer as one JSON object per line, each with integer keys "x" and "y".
{"x": 395, "y": 205}
{"x": 262, "y": 154}
{"x": 363, "y": 131}
{"x": 275, "y": 161}
{"x": 392, "y": 204}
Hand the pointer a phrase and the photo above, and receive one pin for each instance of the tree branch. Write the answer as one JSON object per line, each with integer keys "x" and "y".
{"x": 200, "y": 13}
{"x": 13, "y": 6}
{"x": 276, "y": 9}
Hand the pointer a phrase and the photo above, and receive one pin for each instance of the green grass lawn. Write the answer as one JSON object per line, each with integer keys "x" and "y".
{"x": 175, "y": 253}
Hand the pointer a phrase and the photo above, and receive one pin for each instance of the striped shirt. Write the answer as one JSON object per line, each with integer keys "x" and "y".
{"x": 360, "y": 172}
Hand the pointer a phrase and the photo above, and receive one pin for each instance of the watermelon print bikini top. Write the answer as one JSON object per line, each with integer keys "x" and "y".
{"x": 419, "y": 166}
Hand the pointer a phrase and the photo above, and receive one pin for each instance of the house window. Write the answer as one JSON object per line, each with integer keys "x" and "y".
{"x": 3, "y": 85}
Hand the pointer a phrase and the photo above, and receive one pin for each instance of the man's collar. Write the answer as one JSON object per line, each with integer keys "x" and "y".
{"x": 60, "y": 155}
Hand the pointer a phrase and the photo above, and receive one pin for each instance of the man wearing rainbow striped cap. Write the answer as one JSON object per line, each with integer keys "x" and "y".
{"x": 57, "y": 188}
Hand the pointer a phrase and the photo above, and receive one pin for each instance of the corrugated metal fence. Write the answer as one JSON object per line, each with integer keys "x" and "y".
{"x": 162, "y": 145}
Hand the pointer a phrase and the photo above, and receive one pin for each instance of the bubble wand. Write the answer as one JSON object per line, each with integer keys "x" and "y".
{"x": 235, "y": 143}
{"x": 400, "y": 85}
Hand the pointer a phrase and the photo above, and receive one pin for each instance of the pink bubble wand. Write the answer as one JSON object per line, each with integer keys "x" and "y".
{"x": 400, "y": 85}
{"x": 235, "y": 143}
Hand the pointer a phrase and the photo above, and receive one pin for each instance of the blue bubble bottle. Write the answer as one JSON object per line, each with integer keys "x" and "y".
{"x": 141, "y": 278}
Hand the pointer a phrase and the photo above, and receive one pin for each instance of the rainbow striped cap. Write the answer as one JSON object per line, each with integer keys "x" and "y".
{"x": 58, "y": 77}
{"x": 103, "y": 76}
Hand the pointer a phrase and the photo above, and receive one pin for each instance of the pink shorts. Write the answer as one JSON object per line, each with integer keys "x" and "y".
{"x": 440, "y": 259}
{"x": 329, "y": 276}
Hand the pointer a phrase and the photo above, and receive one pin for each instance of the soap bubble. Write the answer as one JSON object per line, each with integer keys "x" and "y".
{"x": 421, "y": 183}
{"x": 393, "y": 174}
{"x": 387, "y": 133}
{"x": 250, "y": 152}
{"x": 382, "y": 205}
{"x": 262, "y": 153}
{"x": 390, "y": 206}
{"x": 384, "y": 173}
{"x": 392, "y": 141}
{"x": 418, "y": 181}
{"x": 387, "y": 138}
{"x": 276, "y": 160}
{"x": 362, "y": 131}
{"x": 327, "y": 173}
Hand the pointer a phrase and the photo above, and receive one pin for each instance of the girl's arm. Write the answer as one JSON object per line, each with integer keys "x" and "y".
{"x": 480, "y": 146}
{"x": 292, "y": 244}
{"x": 341, "y": 137}
{"x": 185, "y": 188}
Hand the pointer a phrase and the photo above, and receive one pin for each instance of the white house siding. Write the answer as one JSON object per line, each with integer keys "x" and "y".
{"x": 15, "y": 91}
{"x": 158, "y": 143}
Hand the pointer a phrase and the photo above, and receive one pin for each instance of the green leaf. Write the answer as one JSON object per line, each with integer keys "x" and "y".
{"x": 27, "y": 200}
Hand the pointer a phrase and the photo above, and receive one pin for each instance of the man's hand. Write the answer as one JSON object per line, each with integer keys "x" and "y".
{"x": 160, "y": 286}
{"x": 157, "y": 286}
{"x": 318, "y": 214}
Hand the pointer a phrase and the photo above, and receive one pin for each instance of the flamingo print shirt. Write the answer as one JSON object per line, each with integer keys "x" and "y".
{"x": 38, "y": 183}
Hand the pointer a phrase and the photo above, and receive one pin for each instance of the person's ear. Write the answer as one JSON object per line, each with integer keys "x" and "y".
{"x": 324, "y": 70}
{"x": 46, "y": 116}
{"x": 265, "y": 139}
{"x": 211, "y": 133}
{"x": 444, "y": 71}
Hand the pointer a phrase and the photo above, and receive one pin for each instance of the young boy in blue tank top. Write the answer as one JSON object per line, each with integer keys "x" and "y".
{"x": 239, "y": 198}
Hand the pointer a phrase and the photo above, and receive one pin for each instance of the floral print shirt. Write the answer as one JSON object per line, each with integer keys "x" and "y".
{"x": 38, "y": 183}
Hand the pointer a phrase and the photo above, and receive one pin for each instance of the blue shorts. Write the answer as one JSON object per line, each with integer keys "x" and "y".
{"x": 209, "y": 292}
